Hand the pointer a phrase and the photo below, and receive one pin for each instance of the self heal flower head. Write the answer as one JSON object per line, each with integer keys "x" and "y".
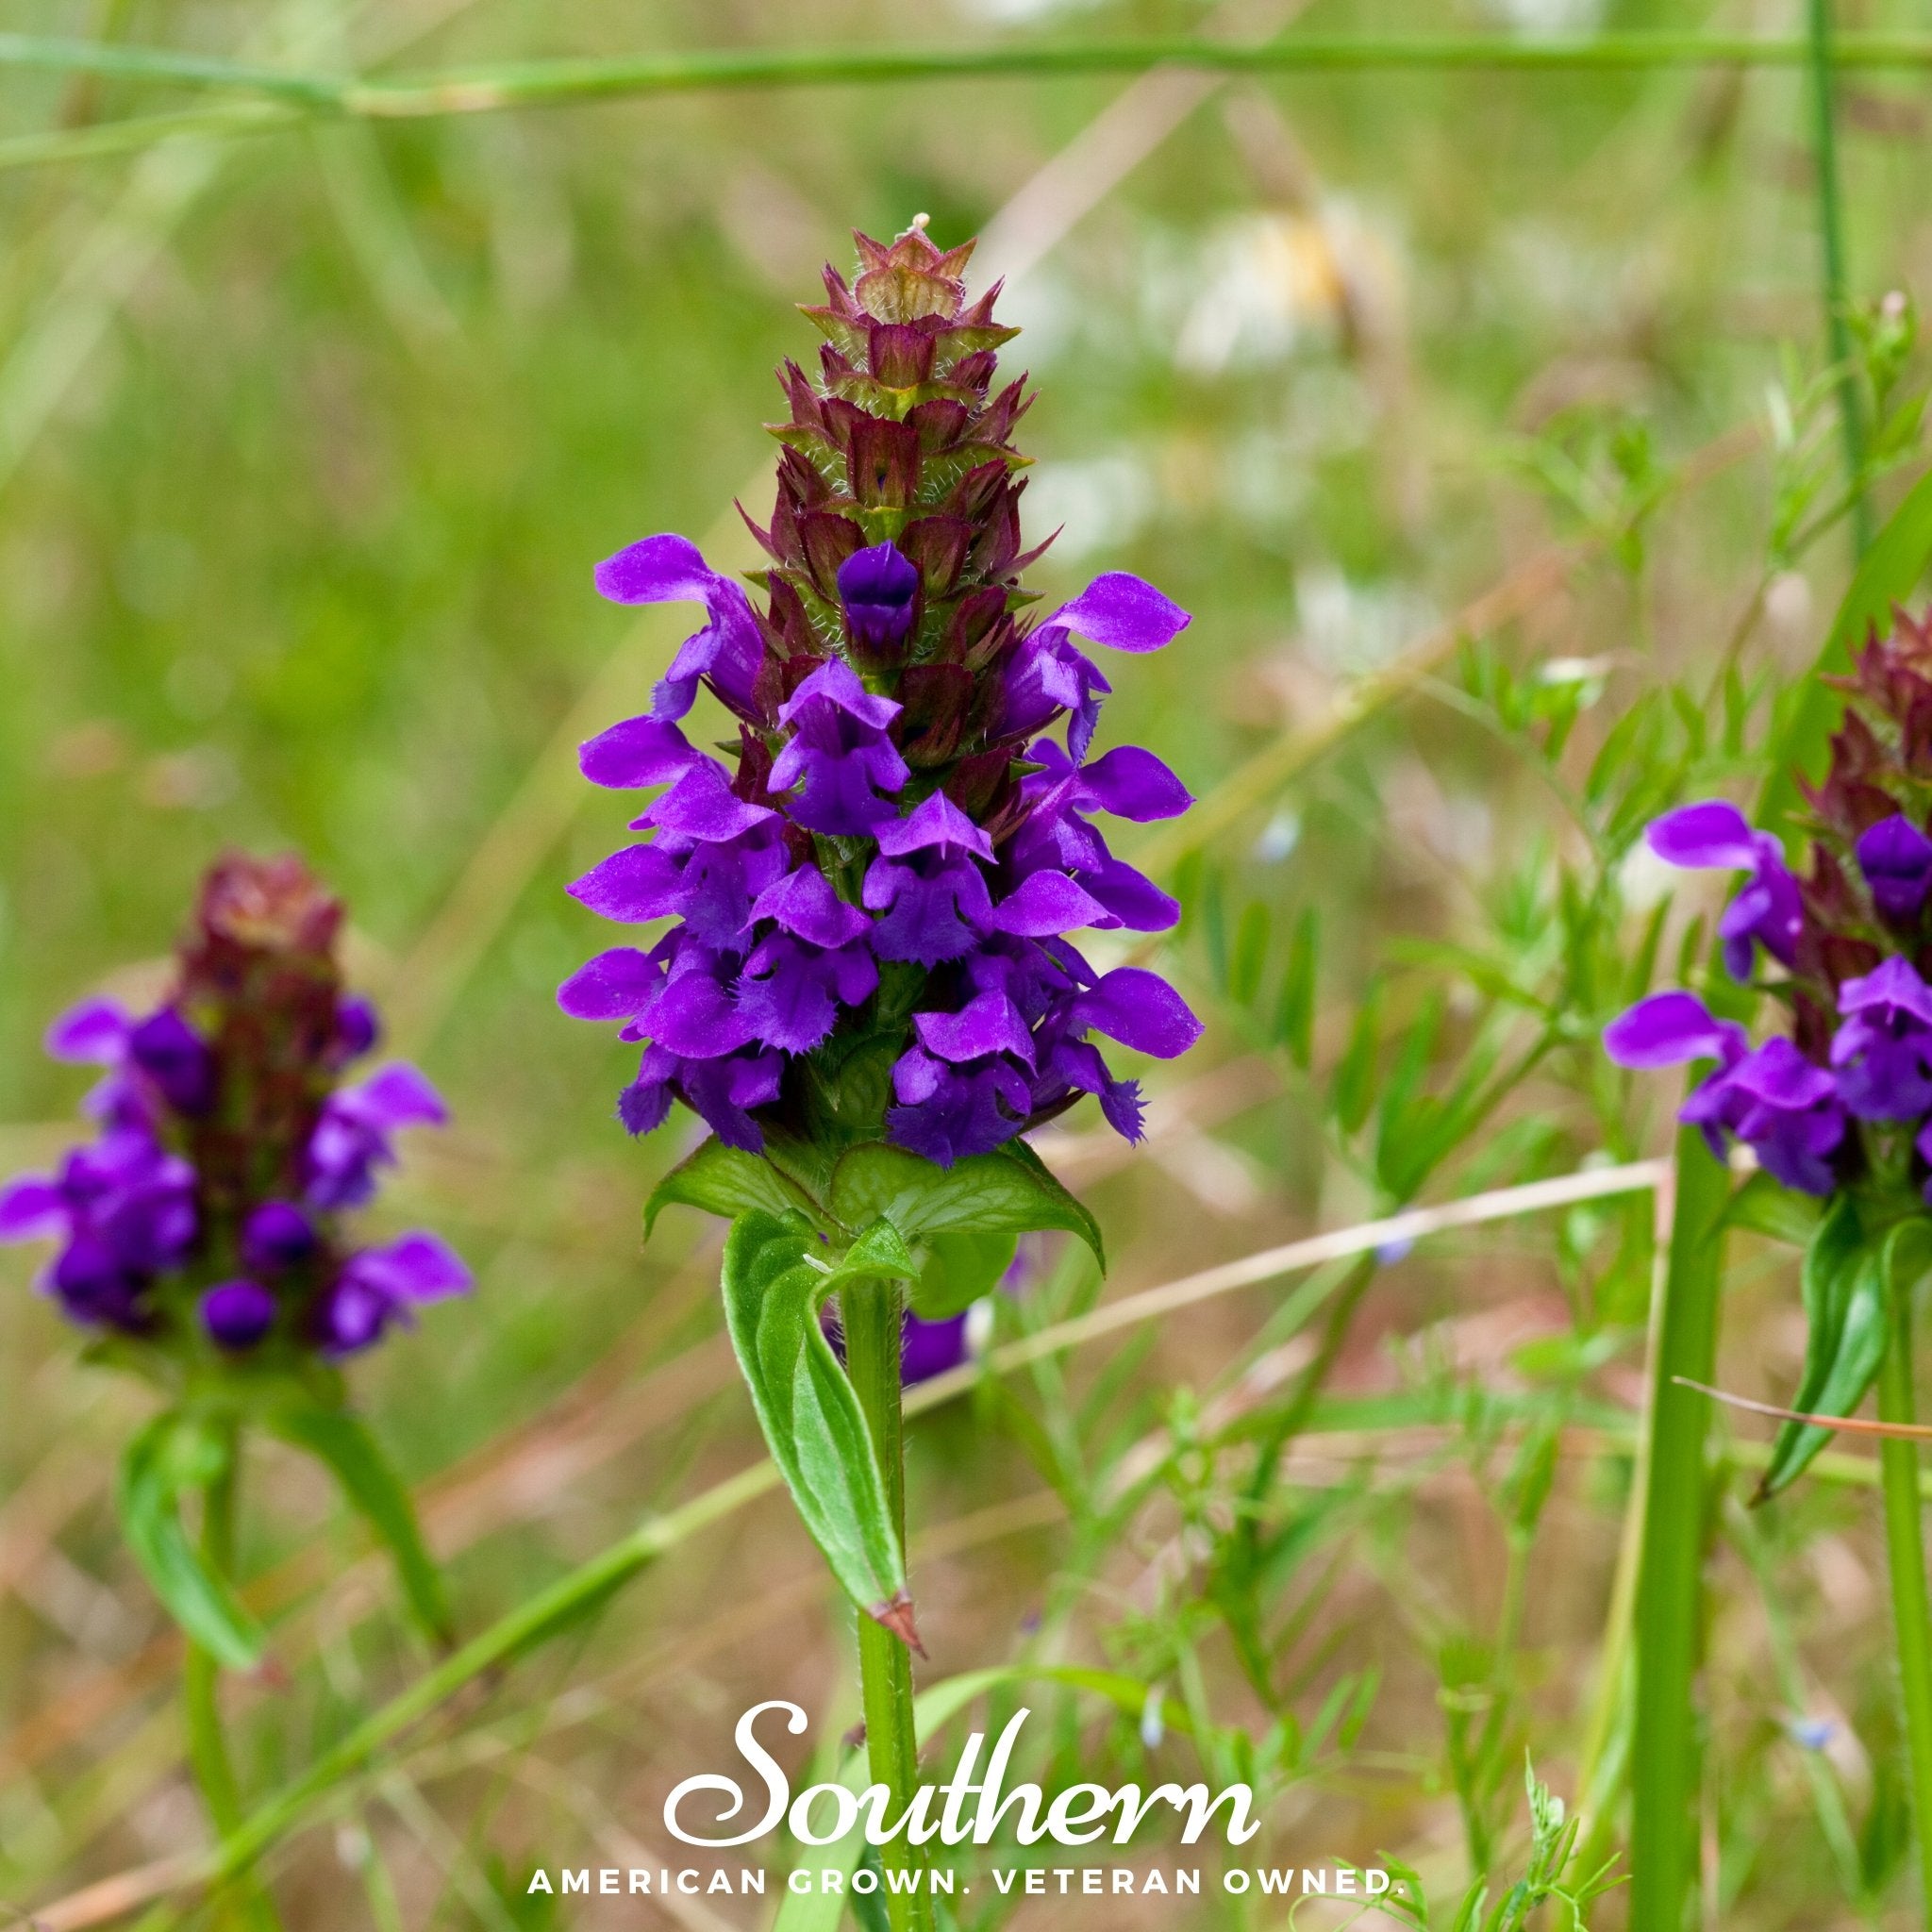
{"x": 868, "y": 908}
{"x": 224, "y": 1135}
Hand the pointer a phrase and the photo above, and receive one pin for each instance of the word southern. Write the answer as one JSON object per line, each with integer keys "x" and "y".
{"x": 824, "y": 1813}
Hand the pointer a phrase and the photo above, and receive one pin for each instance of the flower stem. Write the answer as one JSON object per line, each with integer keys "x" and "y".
{"x": 1665, "y": 1786}
{"x": 1905, "y": 1549}
{"x": 870, "y": 1313}
{"x": 241, "y": 1903}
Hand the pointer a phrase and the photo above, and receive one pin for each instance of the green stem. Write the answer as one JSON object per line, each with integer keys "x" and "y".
{"x": 538, "y": 83}
{"x": 871, "y": 1312}
{"x": 1664, "y": 1780}
{"x": 242, "y": 1903}
{"x": 1906, "y": 1551}
{"x": 1831, "y": 227}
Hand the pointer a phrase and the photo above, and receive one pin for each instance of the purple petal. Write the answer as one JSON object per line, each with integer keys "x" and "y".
{"x": 1714, "y": 834}
{"x": 987, "y": 1024}
{"x": 278, "y": 1235}
{"x": 415, "y": 1267}
{"x": 94, "y": 1031}
{"x": 1131, "y": 783}
{"x": 638, "y": 883}
{"x": 1121, "y": 611}
{"x": 930, "y": 1348}
{"x": 697, "y": 1020}
{"x": 176, "y": 1058}
{"x": 702, "y": 805}
{"x": 803, "y": 902}
{"x": 937, "y": 822}
{"x": 666, "y": 569}
{"x": 610, "y": 987}
{"x": 638, "y": 752}
{"x": 238, "y": 1314}
{"x": 836, "y": 683}
{"x": 1668, "y": 1028}
{"x": 358, "y": 1026}
{"x": 1131, "y": 899}
{"x": 1141, "y": 1010}
{"x": 398, "y": 1097}
{"x": 1780, "y": 1077}
{"x": 32, "y": 1208}
{"x": 1894, "y": 983}
{"x": 1046, "y": 903}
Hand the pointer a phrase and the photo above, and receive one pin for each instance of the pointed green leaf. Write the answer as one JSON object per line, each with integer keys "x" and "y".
{"x": 959, "y": 1269}
{"x": 808, "y": 1411}
{"x": 171, "y": 1458}
{"x": 727, "y": 1181}
{"x": 1844, "y": 1283}
{"x": 1008, "y": 1191}
{"x": 339, "y": 1440}
{"x": 879, "y": 1250}
{"x": 1294, "y": 1015}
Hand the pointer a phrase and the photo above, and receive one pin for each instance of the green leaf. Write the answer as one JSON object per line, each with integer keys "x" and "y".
{"x": 1844, "y": 1287}
{"x": 174, "y": 1456}
{"x": 959, "y": 1269}
{"x": 1887, "y": 575}
{"x": 1008, "y": 1191}
{"x": 1294, "y": 1015}
{"x": 1767, "y": 1206}
{"x": 338, "y": 1440}
{"x": 727, "y": 1181}
{"x": 1355, "y": 1077}
{"x": 807, "y": 1410}
{"x": 879, "y": 1250}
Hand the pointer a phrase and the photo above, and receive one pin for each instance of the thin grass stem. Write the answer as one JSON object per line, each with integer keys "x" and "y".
{"x": 1904, "y": 1551}
{"x": 1822, "y": 66}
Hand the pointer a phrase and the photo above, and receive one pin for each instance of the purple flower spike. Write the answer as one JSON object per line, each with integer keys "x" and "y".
{"x": 238, "y": 1314}
{"x": 1670, "y": 1029}
{"x": 177, "y": 1059}
{"x": 1896, "y": 859}
{"x": 877, "y": 586}
{"x": 222, "y": 1137}
{"x": 890, "y": 870}
{"x": 726, "y": 652}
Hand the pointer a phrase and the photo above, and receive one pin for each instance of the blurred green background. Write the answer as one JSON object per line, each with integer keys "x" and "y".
{"x": 309, "y": 441}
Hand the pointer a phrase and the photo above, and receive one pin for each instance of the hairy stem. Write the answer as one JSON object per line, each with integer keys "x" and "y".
{"x": 870, "y": 1313}
{"x": 1665, "y": 1785}
{"x": 242, "y": 1904}
{"x": 1906, "y": 1551}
